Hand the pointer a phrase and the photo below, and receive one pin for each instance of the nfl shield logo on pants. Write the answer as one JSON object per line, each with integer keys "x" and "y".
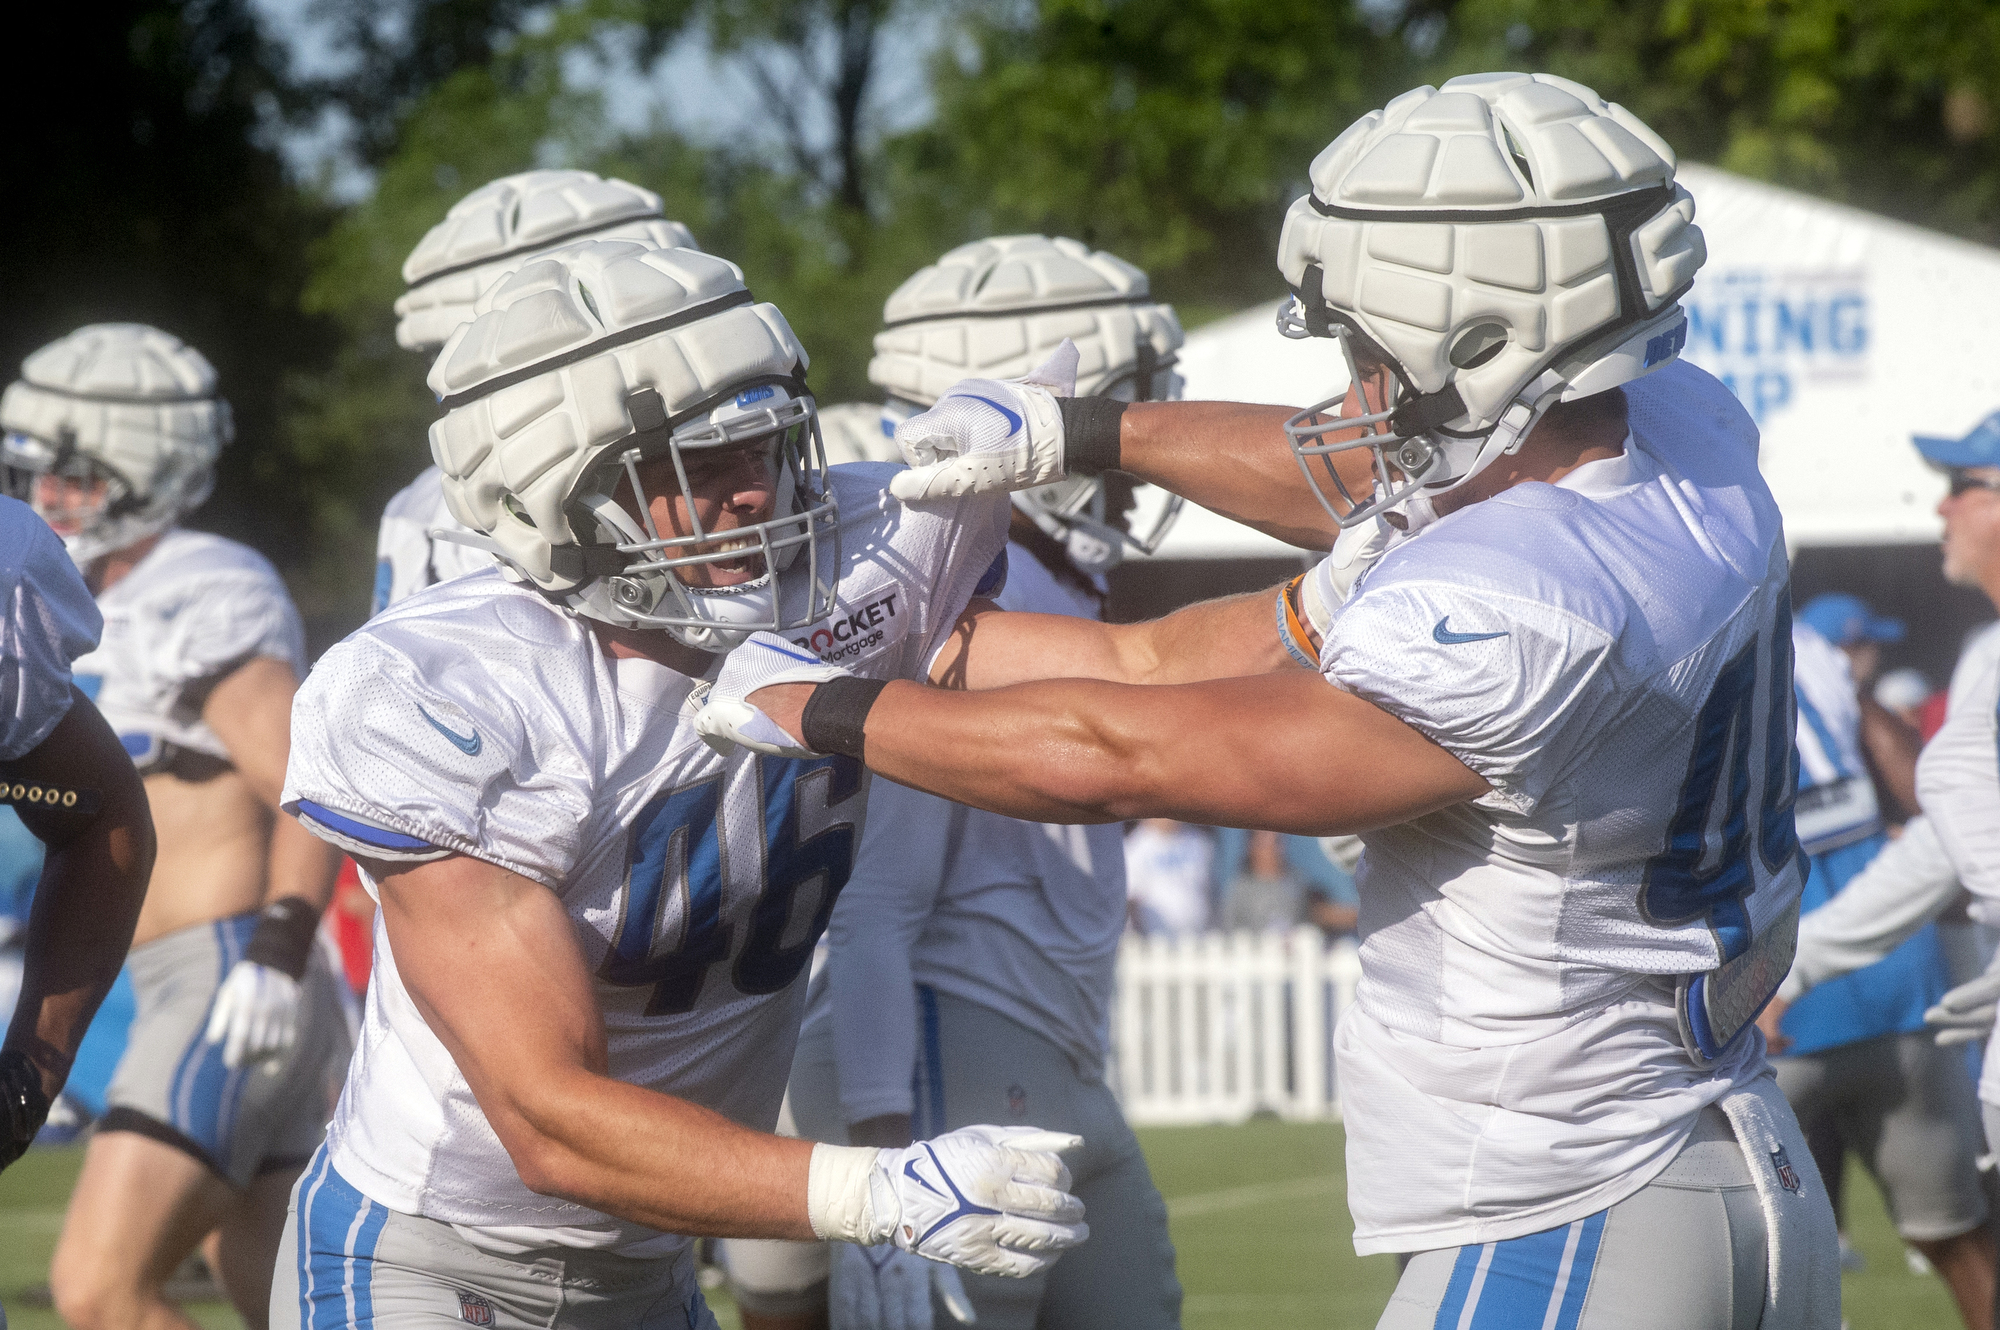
{"x": 1788, "y": 1177}
{"x": 475, "y": 1310}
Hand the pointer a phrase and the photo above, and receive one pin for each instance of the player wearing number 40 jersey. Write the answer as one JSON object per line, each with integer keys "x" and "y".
{"x": 594, "y": 928}
{"x": 1548, "y": 681}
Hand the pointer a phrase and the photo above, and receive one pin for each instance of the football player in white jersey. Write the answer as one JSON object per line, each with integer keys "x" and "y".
{"x": 593, "y": 928}
{"x": 488, "y": 234}
{"x": 1560, "y": 714}
{"x": 972, "y": 955}
{"x": 63, "y": 771}
{"x": 222, "y": 1091}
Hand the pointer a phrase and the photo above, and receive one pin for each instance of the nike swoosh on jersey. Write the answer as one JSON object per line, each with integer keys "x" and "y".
{"x": 1013, "y": 421}
{"x": 1445, "y": 637}
{"x": 470, "y": 746}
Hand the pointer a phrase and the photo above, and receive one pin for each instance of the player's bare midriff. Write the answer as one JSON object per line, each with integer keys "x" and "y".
{"x": 215, "y": 839}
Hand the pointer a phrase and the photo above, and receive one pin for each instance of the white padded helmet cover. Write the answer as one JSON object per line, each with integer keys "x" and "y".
{"x": 498, "y": 227}
{"x": 536, "y": 438}
{"x": 140, "y": 403}
{"x": 996, "y": 308}
{"x": 1457, "y": 215}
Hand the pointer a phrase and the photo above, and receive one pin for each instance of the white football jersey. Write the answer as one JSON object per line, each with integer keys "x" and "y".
{"x": 479, "y": 718}
{"x": 407, "y": 557}
{"x": 1837, "y": 804}
{"x": 50, "y": 621}
{"x": 1022, "y": 918}
{"x": 1613, "y": 654}
{"x": 194, "y": 608}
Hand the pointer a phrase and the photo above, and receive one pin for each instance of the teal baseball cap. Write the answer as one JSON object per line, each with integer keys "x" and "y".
{"x": 1980, "y": 447}
{"x": 1844, "y": 620}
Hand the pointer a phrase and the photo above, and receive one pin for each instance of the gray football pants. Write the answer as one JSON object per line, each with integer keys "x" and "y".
{"x": 976, "y": 1066}
{"x": 1688, "y": 1251}
{"x": 346, "y": 1261}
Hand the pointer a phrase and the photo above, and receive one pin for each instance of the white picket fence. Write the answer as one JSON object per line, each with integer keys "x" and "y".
{"x": 1218, "y": 1027}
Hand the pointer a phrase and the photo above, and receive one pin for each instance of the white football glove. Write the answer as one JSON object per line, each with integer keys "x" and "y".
{"x": 988, "y": 436}
{"x": 991, "y": 1199}
{"x": 1967, "y": 1012}
{"x": 255, "y": 1016}
{"x": 727, "y": 718}
{"x": 885, "y": 1288}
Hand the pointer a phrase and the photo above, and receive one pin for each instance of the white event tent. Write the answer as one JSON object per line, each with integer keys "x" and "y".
{"x": 1842, "y": 332}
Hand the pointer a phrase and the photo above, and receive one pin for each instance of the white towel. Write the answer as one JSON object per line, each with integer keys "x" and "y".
{"x": 1802, "y": 1288}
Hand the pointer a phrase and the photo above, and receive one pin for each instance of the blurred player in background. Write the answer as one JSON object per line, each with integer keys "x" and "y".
{"x": 225, "y": 1084}
{"x": 1858, "y": 1057}
{"x": 595, "y": 929}
{"x": 970, "y": 963}
{"x": 76, "y": 791}
{"x": 1581, "y": 878}
{"x": 488, "y": 234}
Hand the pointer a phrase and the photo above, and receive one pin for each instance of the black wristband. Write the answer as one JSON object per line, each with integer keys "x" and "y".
{"x": 1090, "y": 433}
{"x": 284, "y": 936}
{"x": 835, "y": 714}
{"x": 23, "y": 1105}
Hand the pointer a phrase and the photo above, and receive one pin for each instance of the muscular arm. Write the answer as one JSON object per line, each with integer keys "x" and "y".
{"x": 1217, "y": 639}
{"x": 493, "y": 965}
{"x": 1287, "y": 752}
{"x": 1232, "y": 459}
{"x": 250, "y": 710}
{"x": 93, "y": 883}
{"x": 1907, "y": 885}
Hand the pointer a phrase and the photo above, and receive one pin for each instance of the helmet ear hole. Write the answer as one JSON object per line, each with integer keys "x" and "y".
{"x": 1477, "y": 345}
{"x": 517, "y": 511}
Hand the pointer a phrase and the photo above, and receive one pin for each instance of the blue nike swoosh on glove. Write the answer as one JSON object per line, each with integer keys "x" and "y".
{"x": 1445, "y": 637}
{"x": 470, "y": 747}
{"x": 1013, "y": 421}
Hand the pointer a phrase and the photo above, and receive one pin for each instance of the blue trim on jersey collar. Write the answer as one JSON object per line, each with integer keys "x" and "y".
{"x": 366, "y": 833}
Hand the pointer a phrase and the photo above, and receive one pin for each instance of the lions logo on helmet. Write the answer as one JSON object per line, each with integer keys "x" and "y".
{"x": 998, "y": 307}
{"x": 112, "y": 434}
{"x": 1498, "y": 244}
{"x": 588, "y": 363}
{"x": 498, "y": 227}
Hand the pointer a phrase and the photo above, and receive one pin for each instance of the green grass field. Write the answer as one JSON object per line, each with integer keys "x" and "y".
{"x": 1259, "y": 1219}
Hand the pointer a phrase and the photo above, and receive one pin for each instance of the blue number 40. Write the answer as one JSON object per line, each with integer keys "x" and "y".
{"x": 679, "y": 855}
{"x": 1688, "y": 879}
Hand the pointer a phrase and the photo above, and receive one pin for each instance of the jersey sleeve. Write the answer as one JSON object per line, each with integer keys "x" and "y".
{"x": 1506, "y": 685}
{"x": 394, "y": 762}
{"x": 225, "y": 619}
{"x": 51, "y": 620}
{"x": 1958, "y": 784}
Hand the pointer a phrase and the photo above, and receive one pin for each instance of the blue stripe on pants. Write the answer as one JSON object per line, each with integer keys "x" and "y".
{"x": 1537, "y": 1282}
{"x": 338, "y": 1229}
{"x": 929, "y": 1098}
{"x": 206, "y": 1094}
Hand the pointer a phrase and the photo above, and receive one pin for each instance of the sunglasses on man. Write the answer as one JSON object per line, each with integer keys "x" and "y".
{"x": 1962, "y": 481}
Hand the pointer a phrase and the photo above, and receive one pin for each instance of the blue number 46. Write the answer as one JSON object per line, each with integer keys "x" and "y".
{"x": 1694, "y": 877}
{"x": 679, "y": 855}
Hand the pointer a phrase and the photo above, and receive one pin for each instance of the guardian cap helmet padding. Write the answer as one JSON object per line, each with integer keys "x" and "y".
{"x": 601, "y": 356}
{"x": 126, "y": 404}
{"x": 1500, "y": 243}
{"x": 995, "y": 309}
{"x": 498, "y": 227}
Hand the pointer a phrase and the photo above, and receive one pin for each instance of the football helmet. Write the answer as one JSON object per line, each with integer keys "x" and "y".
{"x": 598, "y": 358}
{"x": 498, "y": 227}
{"x": 995, "y": 309}
{"x": 1480, "y": 251}
{"x": 111, "y": 435}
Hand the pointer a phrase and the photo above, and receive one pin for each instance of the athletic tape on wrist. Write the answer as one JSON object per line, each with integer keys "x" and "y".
{"x": 1090, "y": 433}
{"x": 836, "y": 714}
{"x": 840, "y": 1202}
{"x": 284, "y": 936}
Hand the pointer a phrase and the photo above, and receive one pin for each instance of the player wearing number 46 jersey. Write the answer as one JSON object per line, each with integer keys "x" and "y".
{"x": 594, "y": 928}
{"x": 1547, "y": 679}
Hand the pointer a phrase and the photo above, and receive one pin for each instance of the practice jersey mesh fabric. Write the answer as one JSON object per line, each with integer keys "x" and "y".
{"x": 196, "y": 607}
{"x": 1022, "y": 918}
{"x": 407, "y": 557}
{"x": 480, "y": 718}
{"x": 1612, "y": 654}
{"x": 51, "y": 620}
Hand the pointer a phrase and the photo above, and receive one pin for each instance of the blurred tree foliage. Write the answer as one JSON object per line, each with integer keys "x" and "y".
{"x": 1173, "y": 132}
